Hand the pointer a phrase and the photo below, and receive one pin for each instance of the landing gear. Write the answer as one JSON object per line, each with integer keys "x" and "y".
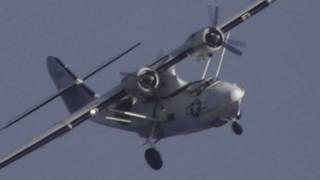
{"x": 152, "y": 155}
{"x": 239, "y": 115}
{"x": 236, "y": 128}
{"x": 153, "y": 158}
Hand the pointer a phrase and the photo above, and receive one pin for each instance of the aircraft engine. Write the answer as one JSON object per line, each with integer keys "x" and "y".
{"x": 213, "y": 38}
{"x": 148, "y": 79}
{"x": 205, "y": 41}
{"x": 142, "y": 82}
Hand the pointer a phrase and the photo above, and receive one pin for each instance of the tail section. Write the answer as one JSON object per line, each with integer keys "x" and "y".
{"x": 76, "y": 97}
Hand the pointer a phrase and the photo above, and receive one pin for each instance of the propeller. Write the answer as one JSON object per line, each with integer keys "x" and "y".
{"x": 231, "y": 48}
{"x": 216, "y": 38}
{"x": 237, "y": 42}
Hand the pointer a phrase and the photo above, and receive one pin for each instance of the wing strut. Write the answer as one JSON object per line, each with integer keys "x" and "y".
{"x": 61, "y": 91}
{"x": 221, "y": 59}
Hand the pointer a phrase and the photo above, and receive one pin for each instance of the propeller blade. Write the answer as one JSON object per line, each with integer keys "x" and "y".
{"x": 213, "y": 15}
{"x": 237, "y": 42}
{"x": 216, "y": 16}
{"x": 232, "y": 49}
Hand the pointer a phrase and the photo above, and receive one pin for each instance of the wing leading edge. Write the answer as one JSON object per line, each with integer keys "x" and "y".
{"x": 66, "y": 88}
{"x": 78, "y": 118}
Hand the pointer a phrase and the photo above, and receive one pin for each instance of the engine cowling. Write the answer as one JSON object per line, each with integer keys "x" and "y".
{"x": 148, "y": 79}
{"x": 205, "y": 41}
{"x": 209, "y": 36}
{"x": 213, "y": 38}
{"x": 144, "y": 81}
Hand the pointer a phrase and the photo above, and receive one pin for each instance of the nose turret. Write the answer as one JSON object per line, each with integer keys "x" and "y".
{"x": 222, "y": 101}
{"x": 223, "y": 93}
{"x": 236, "y": 93}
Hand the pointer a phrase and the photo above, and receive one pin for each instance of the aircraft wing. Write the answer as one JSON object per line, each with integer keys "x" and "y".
{"x": 76, "y": 119}
{"x": 66, "y": 88}
{"x": 83, "y": 114}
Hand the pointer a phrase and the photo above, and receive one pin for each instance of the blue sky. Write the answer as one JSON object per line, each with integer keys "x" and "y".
{"x": 279, "y": 71}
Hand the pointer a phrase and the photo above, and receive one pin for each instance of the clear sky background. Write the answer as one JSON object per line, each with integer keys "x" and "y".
{"x": 279, "y": 70}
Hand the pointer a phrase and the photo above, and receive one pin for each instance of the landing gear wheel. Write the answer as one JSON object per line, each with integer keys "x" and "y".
{"x": 236, "y": 128}
{"x": 153, "y": 158}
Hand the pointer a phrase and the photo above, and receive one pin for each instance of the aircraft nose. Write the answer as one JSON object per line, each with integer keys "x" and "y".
{"x": 236, "y": 93}
{"x": 224, "y": 93}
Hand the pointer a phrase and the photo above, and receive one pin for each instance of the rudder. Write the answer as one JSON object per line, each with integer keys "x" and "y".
{"x": 76, "y": 97}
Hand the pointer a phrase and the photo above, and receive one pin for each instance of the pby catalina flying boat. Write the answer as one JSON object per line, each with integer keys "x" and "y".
{"x": 152, "y": 101}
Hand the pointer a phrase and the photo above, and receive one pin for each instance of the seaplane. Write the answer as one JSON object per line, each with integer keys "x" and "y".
{"x": 152, "y": 101}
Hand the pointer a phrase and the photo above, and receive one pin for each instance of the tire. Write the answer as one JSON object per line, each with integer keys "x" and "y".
{"x": 237, "y": 128}
{"x": 153, "y": 158}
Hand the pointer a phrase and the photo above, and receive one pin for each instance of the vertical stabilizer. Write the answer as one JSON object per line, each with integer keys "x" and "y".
{"x": 76, "y": 97}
